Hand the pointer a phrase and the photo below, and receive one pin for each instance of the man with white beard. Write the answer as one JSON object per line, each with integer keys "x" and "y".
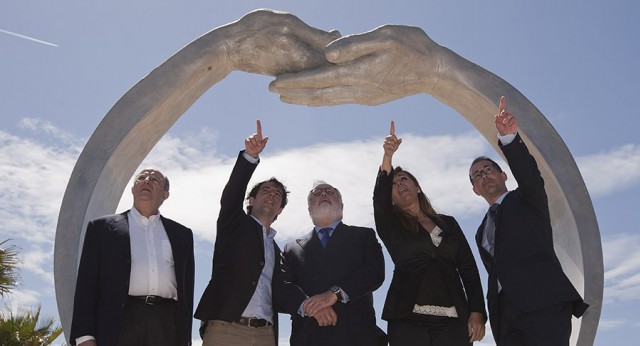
{"x": 329, "y": 277}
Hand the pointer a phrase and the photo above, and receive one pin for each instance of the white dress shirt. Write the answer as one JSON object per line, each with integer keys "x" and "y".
{"x": 152, "y": 266}
{"x": 260, "y": 305}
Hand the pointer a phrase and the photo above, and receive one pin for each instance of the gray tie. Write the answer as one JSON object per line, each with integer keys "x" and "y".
{"x": 324, "y": 236}
{"x": 490, "y": 227}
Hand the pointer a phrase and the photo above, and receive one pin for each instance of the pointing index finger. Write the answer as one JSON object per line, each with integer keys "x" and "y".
{"x": 259, "y": 129}
{"x": 502, "y": 102}
{"x": 392, "y": 129}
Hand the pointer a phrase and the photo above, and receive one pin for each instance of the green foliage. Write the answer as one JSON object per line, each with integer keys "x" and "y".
{"x": 27, "y": 328}
{"x": 9, "y": 276}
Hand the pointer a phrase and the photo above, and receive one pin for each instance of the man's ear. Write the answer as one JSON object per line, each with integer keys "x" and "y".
{"x": 251, "y": 199}
{"x": 165, "y": 195}
{"x": 475, "y": 191}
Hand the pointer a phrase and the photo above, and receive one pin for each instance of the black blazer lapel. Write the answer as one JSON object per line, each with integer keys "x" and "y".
{"x": 312, "y": 253}
{"x": 121, "y": 232}
{"x": 339, "y": 238}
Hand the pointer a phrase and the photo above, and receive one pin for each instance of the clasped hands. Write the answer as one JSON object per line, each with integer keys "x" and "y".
{"x": 320, "y": 307}
{"x": 319, "y": 68}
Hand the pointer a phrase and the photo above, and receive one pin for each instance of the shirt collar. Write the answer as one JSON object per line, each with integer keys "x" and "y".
{"x": 135, "y": 214}
{"x": 501, "y": 198}
{"x": 332, "y": 226}
{"x": 272, "y": 231}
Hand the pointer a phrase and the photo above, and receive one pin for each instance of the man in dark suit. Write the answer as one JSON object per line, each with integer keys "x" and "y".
{"x": 329, "y": 277}
{"x": 237, "y": 306}
{"x": 531, "y": 300}
{"x": 136, "y": 273}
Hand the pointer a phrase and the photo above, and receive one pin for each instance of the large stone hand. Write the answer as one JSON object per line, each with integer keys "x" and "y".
{"x": 272, "y": 43}
{"x": 372, "y": 68}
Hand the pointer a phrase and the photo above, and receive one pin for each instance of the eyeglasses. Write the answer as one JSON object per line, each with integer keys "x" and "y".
{"x": 152, "y": 178}
{"x": 328, "y": 190}
{"x": 481, "y": 173}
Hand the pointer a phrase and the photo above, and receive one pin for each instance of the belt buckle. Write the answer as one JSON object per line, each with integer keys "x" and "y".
{"x": 251, "y": 324}
{"x": 149, "y": 300}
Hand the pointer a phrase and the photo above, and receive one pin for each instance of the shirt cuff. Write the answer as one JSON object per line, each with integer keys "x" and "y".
{"x": 83, "y": 339}
{"x": 345, "y": 296}
{"x": 301, "y": 309}
{"x": 250, "y": 158}
{"x": 506, "y": 139}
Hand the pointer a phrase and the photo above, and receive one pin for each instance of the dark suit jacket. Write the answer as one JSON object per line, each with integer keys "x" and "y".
{"x": 238, "y": 257}
{"x": 353, "y": 261}
{"x": 102, "y": 285}
{"x": 412, "y": 254}
{"x": 525, "y": 261}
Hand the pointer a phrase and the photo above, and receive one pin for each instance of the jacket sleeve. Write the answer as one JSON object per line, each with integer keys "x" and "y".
{"x": 468, "y": 270}
{"x": 232, "y": 199}
{"x": 288, "y": 296}
{"x": 525, "y": 170}
{"x": 370, "y": 275}
{"x": 87, "y": 284}
{"x": 382, "y": 206}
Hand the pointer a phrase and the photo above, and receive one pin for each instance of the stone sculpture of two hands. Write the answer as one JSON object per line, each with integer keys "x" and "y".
{"x": 319, "y": 68}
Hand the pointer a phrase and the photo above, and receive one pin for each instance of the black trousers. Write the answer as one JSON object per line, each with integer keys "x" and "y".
{"x": 150, "y": 325}
{"x": 547, "y": 327}
{"x": 452, "y": 332}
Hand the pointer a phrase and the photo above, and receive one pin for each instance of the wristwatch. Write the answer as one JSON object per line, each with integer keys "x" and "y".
{"x": 337, "y": 291}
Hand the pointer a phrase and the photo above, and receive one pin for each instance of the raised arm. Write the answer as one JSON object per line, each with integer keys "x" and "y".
{"x": 255, "y": 143}
{"x": 506, "y": 123}
{"x": 391, "y": 144}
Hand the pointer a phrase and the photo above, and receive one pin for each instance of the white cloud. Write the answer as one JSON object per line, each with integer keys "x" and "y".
{"x": 622, "y": 267}
{"x": 38, "y": 173}
{"x": 352, "y": 166}
{"x": 20, "y": 298}
{"x": 32, "y": 181}
{"x": 34, "y": 174}
{"x": 612, "y": 171}
{"x": 607, "y": 325}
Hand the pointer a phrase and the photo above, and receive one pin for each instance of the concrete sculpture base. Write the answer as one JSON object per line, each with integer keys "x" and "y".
{"x": 274, "y": 43}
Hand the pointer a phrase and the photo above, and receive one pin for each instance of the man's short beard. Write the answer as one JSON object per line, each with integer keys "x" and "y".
{"x": 322, "y": 213}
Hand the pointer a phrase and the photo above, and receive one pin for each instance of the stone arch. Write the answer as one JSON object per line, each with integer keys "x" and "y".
{"x": 145, "y": 113}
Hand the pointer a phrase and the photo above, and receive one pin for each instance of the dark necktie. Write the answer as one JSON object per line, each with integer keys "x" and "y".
{"x": 490, "y": 227}
{"x": 323, "y": 233}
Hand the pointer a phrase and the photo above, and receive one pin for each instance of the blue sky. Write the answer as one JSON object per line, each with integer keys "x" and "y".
{"x": 64, "y": 64}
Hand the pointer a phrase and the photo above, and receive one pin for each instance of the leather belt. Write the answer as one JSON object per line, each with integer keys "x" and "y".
{"x": 151, "y": 300}
{"x": 253, "y": 322}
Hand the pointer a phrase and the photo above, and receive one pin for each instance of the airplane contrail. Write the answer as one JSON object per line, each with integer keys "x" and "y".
{"x": 28, "y": 38}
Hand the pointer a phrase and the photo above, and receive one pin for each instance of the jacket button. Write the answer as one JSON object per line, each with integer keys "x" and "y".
{"x": 253, "y": 283}
{"x": 261, "y": 263}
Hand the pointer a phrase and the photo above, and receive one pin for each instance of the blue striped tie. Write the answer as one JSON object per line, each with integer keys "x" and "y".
{"x": 324, "y": 236}
{"x": 490, "y": 227}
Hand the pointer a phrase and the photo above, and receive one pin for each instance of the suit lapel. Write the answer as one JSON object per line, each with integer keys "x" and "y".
{"x": 312, "y": 250}
{"x": 174, "y": 238}
{"x": 123, "y": 240}
{"x": 339, "y": 239}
